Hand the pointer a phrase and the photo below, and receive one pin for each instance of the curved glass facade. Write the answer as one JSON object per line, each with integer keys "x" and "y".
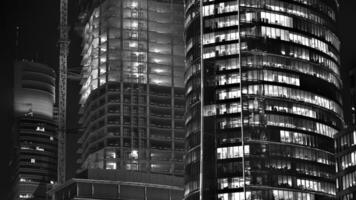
{"x": 34, "y": 156}
{"x": 262, "y": 98}
{"x": 132, "y": 92}
{"x": 34, "y": 89}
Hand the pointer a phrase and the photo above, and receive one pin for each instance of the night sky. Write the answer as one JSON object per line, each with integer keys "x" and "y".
{"x": 37, "y": 22}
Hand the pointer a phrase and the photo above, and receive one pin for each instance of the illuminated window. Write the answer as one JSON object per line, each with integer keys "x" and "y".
{"x": 234, "y": 196}
{"x": 133, "y": 44}
{"x": 279, "y": 164}
{"x": 26, "y": 196}
{"x": 134, "y": 154}
{"x": 40, "y": 129}
{"x": 134, "y": 4}
{"x": 33, "y": 160}
{"x": 110, "y": 154}
{"x": 209, "y": 110}
{"x": 234, "y": 182}
{"x": 316, "y": 186}
{"x": 284, "y": 180}
{"x": 230, "y": 123}
{"x": 348, "y": 160}
{"x": 273, "y": 18}
{"x": 134, "y": 24}
{"x": 289, "y": 195}
{"x": 232, "y": 152}
{"x": 299, "y": 95}
{"x": 110, "y": 165}
{"x": 39, "y": 149}
{"x": 297, "y": 138}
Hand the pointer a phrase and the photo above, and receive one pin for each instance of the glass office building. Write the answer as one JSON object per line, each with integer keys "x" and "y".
{"x": 132, "y": 96}
{"x": 263, "y": 99}
{"x": 345, "y": 143}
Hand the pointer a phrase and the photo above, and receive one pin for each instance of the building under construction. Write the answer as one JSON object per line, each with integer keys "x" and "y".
{"x": 132, "y": 95}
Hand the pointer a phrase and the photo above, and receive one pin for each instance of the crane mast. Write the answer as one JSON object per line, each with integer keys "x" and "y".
{"x": 62, "y": 91}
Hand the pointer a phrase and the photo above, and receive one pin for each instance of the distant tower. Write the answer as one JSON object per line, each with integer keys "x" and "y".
{"x": 35, "y": 158}
{"x": 263, "y": 96}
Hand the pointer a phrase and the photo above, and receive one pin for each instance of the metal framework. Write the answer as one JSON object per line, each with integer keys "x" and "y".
{"x": 62, "y": 91}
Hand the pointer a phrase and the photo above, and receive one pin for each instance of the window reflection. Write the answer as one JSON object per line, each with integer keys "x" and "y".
{"x": 190, "y": 186}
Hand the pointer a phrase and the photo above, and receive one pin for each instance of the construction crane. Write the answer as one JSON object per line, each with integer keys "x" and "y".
{"x": 62, "y": 91}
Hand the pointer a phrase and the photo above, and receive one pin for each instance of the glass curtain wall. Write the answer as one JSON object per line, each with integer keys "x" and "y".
{"x": 263, "y": 99}
{"x": 346, "y": 163}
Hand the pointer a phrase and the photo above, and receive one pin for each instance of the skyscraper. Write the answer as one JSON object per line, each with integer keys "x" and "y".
{"x": 132, "y": 99}
{"x": 132, "y": 96}
{"x": 263, "y": 99}
{"x": 35, "y": 141}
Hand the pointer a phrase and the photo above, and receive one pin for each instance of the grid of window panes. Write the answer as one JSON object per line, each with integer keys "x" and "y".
{"x": 36, "y": 164}
{"x": 132, "y": 96}
{"x": 346, "y": 163}
{"x": 271, "y": 98}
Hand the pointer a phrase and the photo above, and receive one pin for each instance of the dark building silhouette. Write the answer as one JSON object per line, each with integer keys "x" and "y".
{"x": 263, "y": 99}
{"x": 345, "y": 142}
{"x": 98, "y": 184}
{"x": 132, "y": 95}
{"x": 34, "y": 162}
